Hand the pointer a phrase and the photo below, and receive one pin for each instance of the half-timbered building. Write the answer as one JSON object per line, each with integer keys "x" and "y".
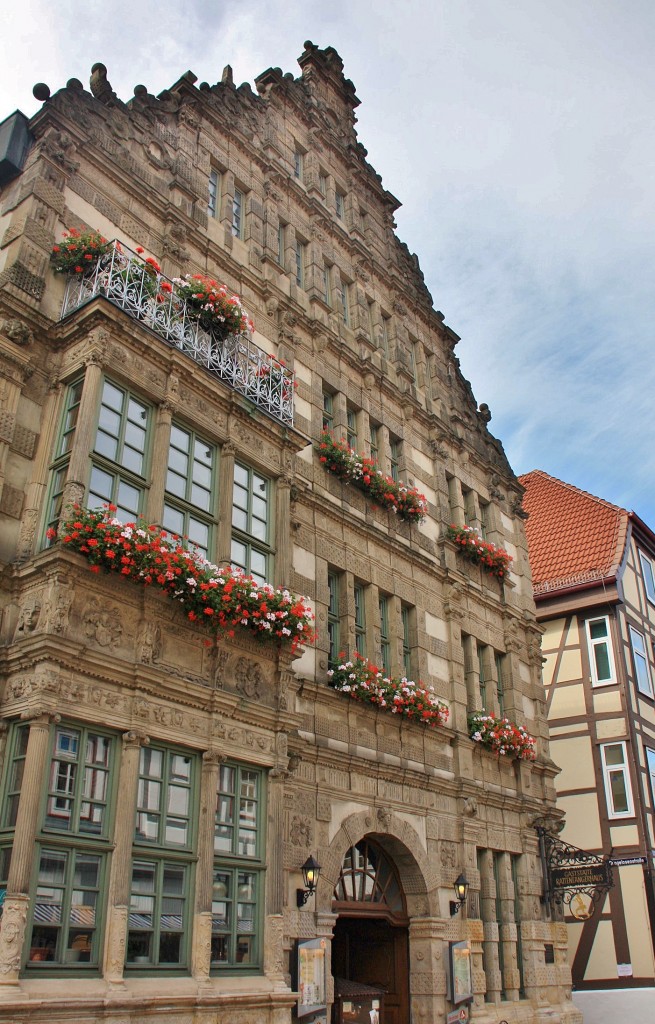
{"x": 593, "y": 567}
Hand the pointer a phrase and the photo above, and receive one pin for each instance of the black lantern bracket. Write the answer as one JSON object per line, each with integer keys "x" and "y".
{"x": 461, "y": 886}
{"x": 311, "y": 869}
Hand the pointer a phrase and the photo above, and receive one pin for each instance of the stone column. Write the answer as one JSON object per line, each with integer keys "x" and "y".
{"x": 121, "y": 861}
{"x": 162, "y": 432}
{"x": 202, "y": 913}
{"x": 225, "y": 491}
{"x": 85, "y": 431}
{"x": 283, "y": 559}
{"x": 274, "y": 841}
{"x": 12, "y": 936}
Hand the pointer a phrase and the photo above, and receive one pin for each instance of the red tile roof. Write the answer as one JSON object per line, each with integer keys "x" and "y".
{"x": 573, "y": 537}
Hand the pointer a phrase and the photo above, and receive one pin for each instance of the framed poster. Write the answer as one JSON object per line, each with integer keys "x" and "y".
{"x": 460, "y": 979}
{"x": 310, "y": 977}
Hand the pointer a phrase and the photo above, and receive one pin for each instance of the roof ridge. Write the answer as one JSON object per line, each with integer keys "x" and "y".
{"x": 572, "y": 487}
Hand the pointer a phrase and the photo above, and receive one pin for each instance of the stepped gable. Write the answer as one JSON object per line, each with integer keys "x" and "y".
{"x": 573, "y": 536}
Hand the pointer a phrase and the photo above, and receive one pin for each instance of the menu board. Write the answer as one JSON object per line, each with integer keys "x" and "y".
{"x": 310, "y": 965}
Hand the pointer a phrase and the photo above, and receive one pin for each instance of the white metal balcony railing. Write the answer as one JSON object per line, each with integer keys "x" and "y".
{"x": 120, "y": 276}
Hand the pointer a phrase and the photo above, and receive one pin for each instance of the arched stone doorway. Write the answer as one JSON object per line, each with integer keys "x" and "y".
{"x": 370, "y": 944}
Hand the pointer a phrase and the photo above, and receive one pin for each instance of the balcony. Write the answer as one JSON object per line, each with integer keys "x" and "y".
{"x": 120, "y": 277}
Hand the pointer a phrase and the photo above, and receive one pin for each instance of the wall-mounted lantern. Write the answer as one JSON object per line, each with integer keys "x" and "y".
{"x": 311, "y": 869}
{"x": 461, "y": 887}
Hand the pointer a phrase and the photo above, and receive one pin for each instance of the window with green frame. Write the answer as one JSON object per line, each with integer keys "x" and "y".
{"x": 374, "y": 441}
{"x": 405, "y": 614}
{"x": 190, "y": 499}
{"x": 351, "y": 428}
{"x": 162, "y": 859}
{"x": 119, "y": 456}
{"x": 118, "y": 462}
{"x": 333, "y": 619}
{"x": 500, "y": 681}
{"x": 328, "y": 411}
{"x": 395, "y": 449}
{"x": 251, "y": 527}
{"x": 385, "y": 642}
{"x": 483, "y": 674}
{"x": 59, "y": 466}
{"x": 238, "y": 879}
{"x": 360, "y": 619}
{"x": 5, "y": 861}
{"x": 66, "y": 909}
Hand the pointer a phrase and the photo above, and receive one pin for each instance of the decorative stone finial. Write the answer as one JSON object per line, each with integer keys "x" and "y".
{"x": 41, "y": 92}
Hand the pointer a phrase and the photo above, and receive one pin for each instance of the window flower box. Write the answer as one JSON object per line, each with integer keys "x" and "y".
{"x": 363, "y": 681}
{"x": 493, "y": 560}
{"x": 363, "y": 473}
{"x": 225, "y": 600}
{"x": 502, "y": 736}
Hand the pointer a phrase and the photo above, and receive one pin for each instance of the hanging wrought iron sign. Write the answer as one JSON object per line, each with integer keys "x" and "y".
{"x": 572, "y": 876}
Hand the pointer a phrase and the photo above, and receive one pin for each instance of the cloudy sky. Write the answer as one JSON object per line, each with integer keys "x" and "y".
{"x": 518, "y": 135}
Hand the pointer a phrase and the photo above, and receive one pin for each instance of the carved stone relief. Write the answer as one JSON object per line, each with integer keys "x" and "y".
{"x": 102, "y": 624}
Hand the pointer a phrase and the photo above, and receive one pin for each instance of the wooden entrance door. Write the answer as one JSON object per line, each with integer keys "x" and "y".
{"x": 372, "y": 951}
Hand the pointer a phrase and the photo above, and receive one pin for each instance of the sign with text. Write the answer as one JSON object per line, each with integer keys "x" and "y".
{"x": 624, "y": 862}
{"x": 581, "y": 876}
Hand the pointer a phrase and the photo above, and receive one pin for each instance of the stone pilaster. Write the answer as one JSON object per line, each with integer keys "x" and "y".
{"x": 12, "y": 937}
{"x": 225, "y": 491}
{"x": 202, "y": 916}
{"x": 160, "y": 447}
{"x": 283, "y": 560}
{"x": 121, "y": 862}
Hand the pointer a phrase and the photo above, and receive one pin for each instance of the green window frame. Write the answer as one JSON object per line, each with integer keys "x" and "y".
{"x": 384, "y": 336}
{"x": 66, "y": 907}
{"x": 344, "y": 302}
{"x": 360, "y": 619}
{"x": 298, "y": 164}
{"x": 66, "y": 917}
{"x": 238, "y": 878}
{"x": 14, "y": 771}
{"x": 120, "y": 452}
{"x": 483, "y": 675}
{"x": 78, "y": 786}
{"x": 351, "y": 428}
{"x": 500, "y": 681}
{"x": 333, "y": 620}
{"x": 300, "y": 263}
{"x": 322, "y": 183}
{"x": 237, "y": 213}
{"x": 251, "y": 522}
{"x": 327, "y": 291}
{"x": 213, "y": 193}
{"x": 405, "y": 616}
{"x": 395, "y": 449}
{"x": 339, "y": 204}
{"x": 500, "y": 945}
{"x": 163, "y": 857}
{"x": 328, "y": 411}
{"x": 281, "y": 242}
{"x": 374, "y": 441}
{"x": 515, "y": 864}
{"x": 484, "y": 519}
{"x": 59, "y": 465}
{"x": 190, "y": 497}
{"x": 385, "y": 640}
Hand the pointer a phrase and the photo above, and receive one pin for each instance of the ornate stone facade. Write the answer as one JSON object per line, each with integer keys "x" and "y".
{"x": 112, "y": 698}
